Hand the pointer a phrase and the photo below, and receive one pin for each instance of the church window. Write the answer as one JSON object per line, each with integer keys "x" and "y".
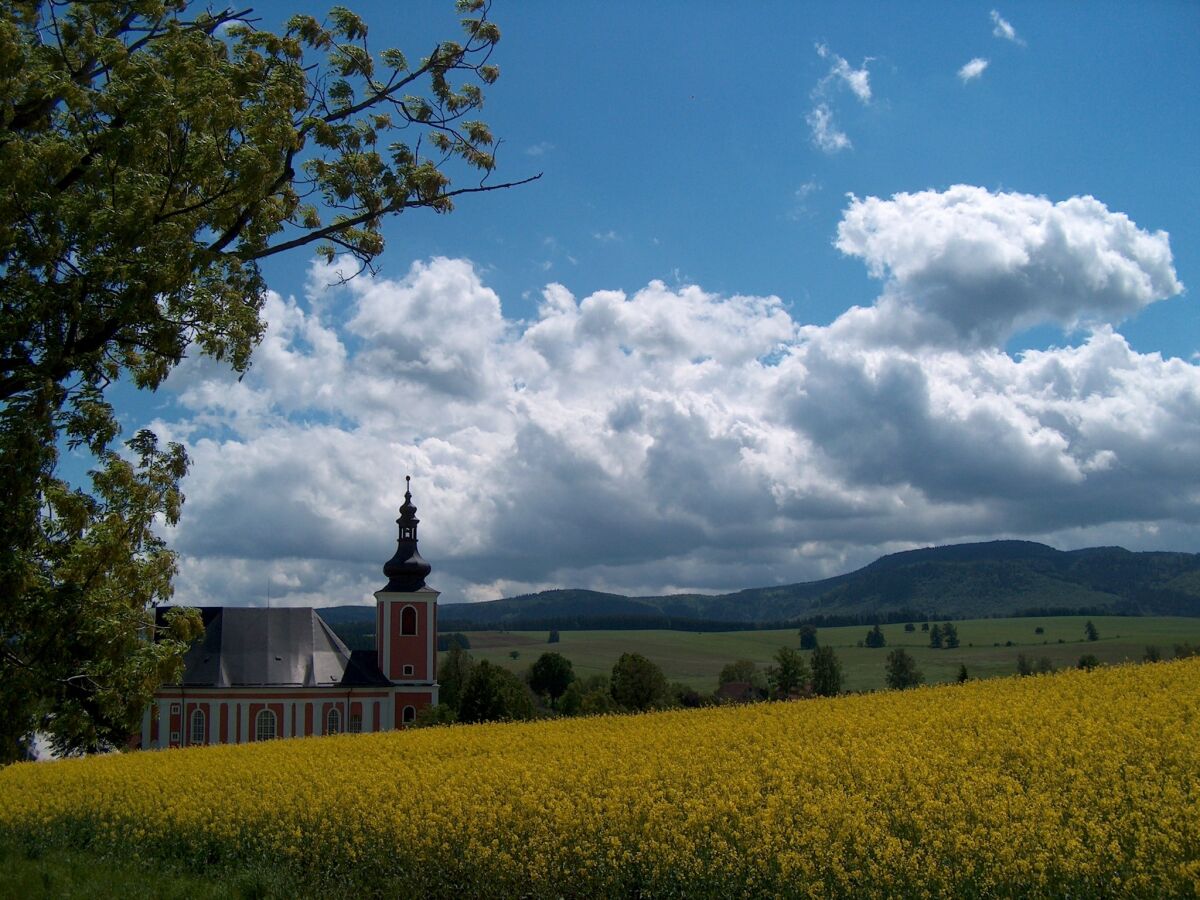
{"x": 197, "y": 726}
{"x": 410, "y": 713}
{"x": 355, "y": 723}
{"x": 408, "y": 670}
{"x": 408, "y": 621}
{"x": 333, "y": 722}
{"x": 264, "y": 725}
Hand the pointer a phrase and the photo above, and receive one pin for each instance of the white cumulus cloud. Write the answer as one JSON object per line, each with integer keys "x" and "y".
{"x": 673, "y": 438}
{"x": 973, "y": 69}
{"x": 967, "y": 264}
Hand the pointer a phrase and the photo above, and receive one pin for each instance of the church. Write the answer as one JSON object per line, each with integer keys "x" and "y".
{"x": 257, "y": 674}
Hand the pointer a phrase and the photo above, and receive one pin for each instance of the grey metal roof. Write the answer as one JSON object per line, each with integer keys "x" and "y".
{"x": 290, "y": 647}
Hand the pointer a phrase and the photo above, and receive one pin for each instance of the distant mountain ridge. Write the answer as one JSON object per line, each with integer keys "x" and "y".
{"x": 994, "y": 578}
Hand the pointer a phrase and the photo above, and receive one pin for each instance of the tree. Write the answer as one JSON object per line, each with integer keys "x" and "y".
{"x": 453, "y": 671}
{"x": 150, "y": 159}
{"x": 962, "y": 673}
{"x": 924, "y": 626}
{"x": 637, "y": 683}
{"x": 747, "y": 671}
{"x": 935, "y": 637}
{"x": 1088, "y": 661}
{"x": 1090, "y": 631}
{"x": 875, "y": 637}
{"x": 901, "y": 670}
{"x": 572, "y": 699}
{"x": 826, "y": 672}
{"x": 789, "y": 674}
{"x": 686, "y": 696}
{"x": 455, "y": 638}
{"x": 808, "y": 637}
{"x": 550, "y": 675}
{"x": 553, "y": 637}
{"x": 1024, "y": 666}
{"x": 1152, "y": 654}
{"x": 949, "y": 635}
{"x": 597, "y": 702}
{"x": 909, "y": 626}
{"x": 494, "y": 694}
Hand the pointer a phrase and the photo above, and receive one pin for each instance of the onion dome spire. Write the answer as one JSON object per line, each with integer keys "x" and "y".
{"x": 406, "y": 571}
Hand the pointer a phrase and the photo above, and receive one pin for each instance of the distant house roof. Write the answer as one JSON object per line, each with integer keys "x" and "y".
{"x": 284, "y": 647}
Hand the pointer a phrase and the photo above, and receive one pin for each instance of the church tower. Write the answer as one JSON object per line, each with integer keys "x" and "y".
{"x": 406, "y": 621}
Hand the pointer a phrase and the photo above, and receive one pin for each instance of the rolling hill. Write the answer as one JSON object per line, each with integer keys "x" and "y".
{"x": 995, "y": 578}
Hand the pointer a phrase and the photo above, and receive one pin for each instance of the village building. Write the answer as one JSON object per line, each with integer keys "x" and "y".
{"x": 258, "y": 674}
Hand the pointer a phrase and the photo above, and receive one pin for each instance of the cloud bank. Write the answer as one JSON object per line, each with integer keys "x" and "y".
{"x": 673, "y": 438}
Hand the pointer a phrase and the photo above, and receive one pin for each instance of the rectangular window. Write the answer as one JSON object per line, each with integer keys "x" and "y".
{"x": 355, "y": 723}
{"x": 197, "y": 726}
{"x": 174, "y": 737}
{"x": 408, "y": 670}
{"x": 174, "y": 709}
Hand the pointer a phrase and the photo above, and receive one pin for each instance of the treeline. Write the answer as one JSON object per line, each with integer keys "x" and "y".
{"x": 614, "y": 622}
{"x": 643, "y": 622}
{"x": 481, "y": 691}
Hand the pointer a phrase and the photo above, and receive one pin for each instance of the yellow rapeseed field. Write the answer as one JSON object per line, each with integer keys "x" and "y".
{"x": 1082, "y": 784}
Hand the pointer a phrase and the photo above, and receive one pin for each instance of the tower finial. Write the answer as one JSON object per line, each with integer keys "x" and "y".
{"x": 406, "y": 570}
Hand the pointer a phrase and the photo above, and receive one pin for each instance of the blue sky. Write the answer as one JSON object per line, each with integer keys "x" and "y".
{"x": 744, "y": 370}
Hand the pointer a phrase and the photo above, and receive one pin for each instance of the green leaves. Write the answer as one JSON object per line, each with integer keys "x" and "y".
{"x": 148, "y": 160}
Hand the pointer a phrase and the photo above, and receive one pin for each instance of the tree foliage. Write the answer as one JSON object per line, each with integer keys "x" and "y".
{"x": 790, "y": 673}
{"x": 550, "y": 675}
{"x": 826, "y": 672}
{"x": 808, "y": 637}
{"x": 494, "y": 694}
{"x": 875, "y": 637}
{"x": 453, "y": 671}
{"x": 901, "y": 670}
{"x": 637, "y": 683}
{"x": 949, "y": 635}
{"x": 150, "y": 157}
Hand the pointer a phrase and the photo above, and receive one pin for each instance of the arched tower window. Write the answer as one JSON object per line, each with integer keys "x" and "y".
{"x": 197, "y": 736}
{"x": 410, "y": 714}
{"x": 408, "y": 621}
{"x": 333, "y": 721}
{"x": 264, "y": 725}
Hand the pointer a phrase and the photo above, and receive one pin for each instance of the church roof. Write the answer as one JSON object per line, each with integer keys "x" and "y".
{"x": 283, "y": 647}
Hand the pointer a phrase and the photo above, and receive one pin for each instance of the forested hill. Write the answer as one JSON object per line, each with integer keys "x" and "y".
{"x": 997, "y": 578}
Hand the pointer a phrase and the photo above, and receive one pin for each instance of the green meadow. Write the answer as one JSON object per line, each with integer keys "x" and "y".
{"x": 988, "y": 647}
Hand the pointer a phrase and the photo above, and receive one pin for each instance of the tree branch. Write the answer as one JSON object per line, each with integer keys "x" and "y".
{"x": 329, "y": 230}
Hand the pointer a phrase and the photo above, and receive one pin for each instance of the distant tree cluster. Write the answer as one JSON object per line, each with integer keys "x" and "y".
{"x": 446, "y": 641}
{"x": 790, "y": 676}
{"x": 944, "y": 636}
{"x": 1026, "y": 666}
{"x": 481, "y": 691}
